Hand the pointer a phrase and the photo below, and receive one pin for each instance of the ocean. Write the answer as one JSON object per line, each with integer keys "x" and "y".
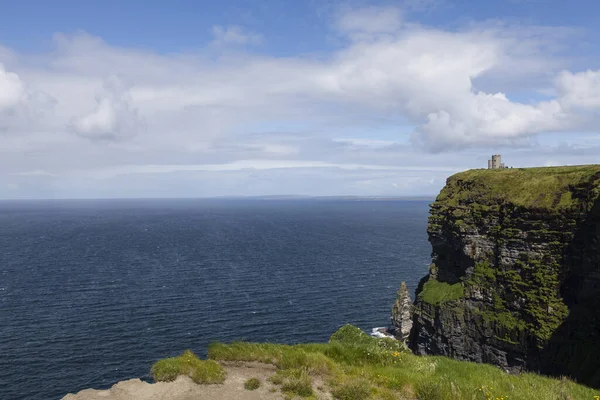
{"x": 93, "y": 292}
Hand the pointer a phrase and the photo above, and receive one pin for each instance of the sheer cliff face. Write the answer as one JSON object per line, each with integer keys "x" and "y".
{"x": 515, "y": 274}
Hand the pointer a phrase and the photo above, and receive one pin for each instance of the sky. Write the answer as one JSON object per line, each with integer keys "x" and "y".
{"x": 153, "y": 99}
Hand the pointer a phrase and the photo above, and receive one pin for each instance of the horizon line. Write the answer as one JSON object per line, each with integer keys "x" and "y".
{"x": 233, "y": 197}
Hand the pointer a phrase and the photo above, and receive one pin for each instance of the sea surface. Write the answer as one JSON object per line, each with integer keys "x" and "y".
{"x": 93, "y": 292}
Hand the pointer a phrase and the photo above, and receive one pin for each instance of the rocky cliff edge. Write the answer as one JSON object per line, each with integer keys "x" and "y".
{"x": 515, "y": 273}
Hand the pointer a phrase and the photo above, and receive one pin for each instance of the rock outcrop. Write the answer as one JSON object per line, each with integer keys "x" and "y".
{"x": 402, "y": 314}
{"x": 184, "y": 388}
{"x": 515, "y": 273}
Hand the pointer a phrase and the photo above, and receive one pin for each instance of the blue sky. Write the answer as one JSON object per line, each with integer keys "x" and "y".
{"x": 291, "y": 26}
{"x": 193, "y": 99}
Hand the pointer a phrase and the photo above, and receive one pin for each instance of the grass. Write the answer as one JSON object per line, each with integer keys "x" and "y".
{"x": 551, "y": 188}
{"x": 356, "y": 389}
{"x": 188, "y": 364}
{"x": 252, "y": 384}
{"x": 430, "y": 390}
{"x": 435, "y": 292}
{"x": 297, "y": 382}
{"x": 357, "y": 366}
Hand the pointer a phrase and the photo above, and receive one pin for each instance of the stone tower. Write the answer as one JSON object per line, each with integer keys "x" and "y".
{"x": 495, "y": 162}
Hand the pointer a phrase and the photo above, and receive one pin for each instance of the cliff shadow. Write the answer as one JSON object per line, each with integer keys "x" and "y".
{"x": 574, "y": 348}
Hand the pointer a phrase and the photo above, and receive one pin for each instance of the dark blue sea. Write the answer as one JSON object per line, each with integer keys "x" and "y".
{"x": 93, "y": 292}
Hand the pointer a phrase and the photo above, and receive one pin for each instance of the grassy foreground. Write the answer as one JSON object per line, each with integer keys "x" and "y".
{"x": 355, "y": 366}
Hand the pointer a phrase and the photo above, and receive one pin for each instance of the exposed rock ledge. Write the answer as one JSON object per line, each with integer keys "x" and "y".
{"x": 183, "y": 388}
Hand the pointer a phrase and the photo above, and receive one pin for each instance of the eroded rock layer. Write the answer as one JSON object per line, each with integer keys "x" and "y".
{"x": 401, "y": 314}
{"x": 515, "y": 274}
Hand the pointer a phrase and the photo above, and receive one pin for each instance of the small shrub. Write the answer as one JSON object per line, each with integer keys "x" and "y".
{"x": 429, "y": 390}
{"x": 188, "y": 364}
{"x": 297, "y": 382}
{"x": 353, "y": 390}
{"x": 207, "y": 372}
{"x": 276, "y": 379}
{"x": 252, "y": 384}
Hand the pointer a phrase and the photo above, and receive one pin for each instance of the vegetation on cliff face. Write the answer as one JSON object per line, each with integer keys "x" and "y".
{"x": 531, "y": 284}
{"x": 516, "y": 261}
{"x": 355, "y": 366}
{"x": 435, "y": 292}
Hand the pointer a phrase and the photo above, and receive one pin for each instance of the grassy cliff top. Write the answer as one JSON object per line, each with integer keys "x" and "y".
{"x": 355, "y": 366}
{"x": 550, "y": 188}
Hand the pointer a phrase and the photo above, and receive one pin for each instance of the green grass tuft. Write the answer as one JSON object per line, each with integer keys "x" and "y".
{"x": 431, "y": 390}
{"x": 201, "y": 371}
{"x": 435, "y": 292}
{"x": 297, "y": 382}
{"x": 359, "y": 389}
{"x": 276, "y": 379}
{"x": 252, "y": 384}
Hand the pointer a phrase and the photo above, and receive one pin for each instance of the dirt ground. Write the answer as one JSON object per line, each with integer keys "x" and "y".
{"x": 183, "y": 388}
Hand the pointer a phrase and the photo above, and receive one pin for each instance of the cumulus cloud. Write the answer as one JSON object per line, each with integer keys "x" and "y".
{"x": 579, "y": 90}
{"x": 113, "y": 118}
{"x": 491, "y": 119}
{"x": 427, "y": 76}
{"x": 12, "y": 89}
{"x": 425, "y": 90}
{"x": 421, "y": 74}
{"x": 20, "y": 108}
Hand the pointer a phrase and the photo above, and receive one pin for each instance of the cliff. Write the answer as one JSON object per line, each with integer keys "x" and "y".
{"x": 515, "y": 273}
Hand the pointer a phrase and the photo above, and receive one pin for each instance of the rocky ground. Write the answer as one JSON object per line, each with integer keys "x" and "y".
{"x": 183, "y": 388}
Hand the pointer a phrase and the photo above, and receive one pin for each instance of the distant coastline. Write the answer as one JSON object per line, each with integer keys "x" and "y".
{"x": 266, "y": 197}
{"x": 301, "y": 197}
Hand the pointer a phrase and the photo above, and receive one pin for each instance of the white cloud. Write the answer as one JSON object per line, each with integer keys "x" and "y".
{"x": 234, "y": 35}
{"x": 20, "y": 108}
{"x": 12, "y": 89}
{"x": 34, "y": 173}
{"x": 113, "y": 118}
{"x": 490, "y": 119}
{"x": 424, "y": 75}
{"x": 257, "y": 165}
{"x": 237, "y": 115}
{"x": 368, "y": 20}
{"x": 365, "y": 142}
{"x": 579, "y": 90}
